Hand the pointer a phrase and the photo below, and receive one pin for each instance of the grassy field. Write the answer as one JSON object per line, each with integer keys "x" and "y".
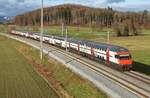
{"x": 74, "y": 32}
{"x": 17, "y": 77}
{"x": 76, "y": 86}
{"x": 3, "y": 28}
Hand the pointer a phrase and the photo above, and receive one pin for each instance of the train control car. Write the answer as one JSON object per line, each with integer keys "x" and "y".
{"x": 116, "y": 56}
{"x": 112, "y": 55}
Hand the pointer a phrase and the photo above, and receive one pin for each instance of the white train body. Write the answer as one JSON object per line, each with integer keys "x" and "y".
{"x": 103, "y": 52}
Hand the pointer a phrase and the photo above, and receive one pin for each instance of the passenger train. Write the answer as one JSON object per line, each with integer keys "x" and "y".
{"x": 114, "y": 56}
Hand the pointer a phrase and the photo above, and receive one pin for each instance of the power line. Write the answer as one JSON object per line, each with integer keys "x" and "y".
{"x": 41, "y": 34}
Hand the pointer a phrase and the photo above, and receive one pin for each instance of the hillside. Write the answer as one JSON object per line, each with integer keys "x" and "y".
{"x": 70, "y": 14}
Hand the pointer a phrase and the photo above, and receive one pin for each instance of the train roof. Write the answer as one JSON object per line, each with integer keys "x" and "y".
{"x": 114, "y": 48}
{"x": 104, "y": 46}
{"x": 60, "y": 38}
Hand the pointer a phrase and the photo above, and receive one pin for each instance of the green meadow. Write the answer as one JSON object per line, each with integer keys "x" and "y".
{"x": 17, "y": 77}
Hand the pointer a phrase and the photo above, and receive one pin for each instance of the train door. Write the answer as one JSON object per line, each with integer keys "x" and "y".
{"x": 92, "y": 52}
{"x": 107, "y": 56}
{"x": 69, "y": 44}
{"x": 78, "y": 47}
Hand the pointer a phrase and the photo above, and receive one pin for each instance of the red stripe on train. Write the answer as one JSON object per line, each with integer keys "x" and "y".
{"x": 107, "y": 56}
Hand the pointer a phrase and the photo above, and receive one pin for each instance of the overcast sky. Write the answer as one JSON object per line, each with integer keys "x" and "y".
{"x": 14, "y": 7}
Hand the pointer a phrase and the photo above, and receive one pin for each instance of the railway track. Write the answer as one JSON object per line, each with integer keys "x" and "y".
{"x": 139, "y": 77}
{"x": 134, "y": 88}
{"x": 122, "y": 82}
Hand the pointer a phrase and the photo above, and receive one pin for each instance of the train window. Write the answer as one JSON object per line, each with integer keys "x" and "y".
{"x": 123, "y": 56}
{"x": 102, "y": 58}
{"x": 116, "y": 56}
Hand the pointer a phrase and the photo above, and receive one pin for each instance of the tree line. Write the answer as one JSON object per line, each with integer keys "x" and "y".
{"x": 123, "y": 23}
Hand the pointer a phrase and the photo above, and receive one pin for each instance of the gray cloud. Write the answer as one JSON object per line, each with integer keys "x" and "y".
{"x": 20, "y": 0}
{"x": 131, "y": 7}
{"x": 114, "y": 1}
{"x": 14, "y": 7}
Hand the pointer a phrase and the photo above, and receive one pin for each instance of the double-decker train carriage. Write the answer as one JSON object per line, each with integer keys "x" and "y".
{"x": 114, "y": 56}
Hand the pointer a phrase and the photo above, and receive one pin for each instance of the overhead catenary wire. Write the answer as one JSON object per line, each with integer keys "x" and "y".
{"x": 41, "y": 34}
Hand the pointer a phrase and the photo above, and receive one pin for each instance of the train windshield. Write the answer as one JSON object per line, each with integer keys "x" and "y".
{"x": 123, "y": 56}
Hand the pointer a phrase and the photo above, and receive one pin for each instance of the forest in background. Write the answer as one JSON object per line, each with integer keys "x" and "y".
{"x": 122, "y": 23}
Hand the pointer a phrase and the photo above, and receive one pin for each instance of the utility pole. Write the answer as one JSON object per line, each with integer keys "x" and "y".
{"x": 66, "y": 39}
{"x": 108, "y": 36}
{"x": 62, "y": 32}
{"x": 41, "y": 34}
